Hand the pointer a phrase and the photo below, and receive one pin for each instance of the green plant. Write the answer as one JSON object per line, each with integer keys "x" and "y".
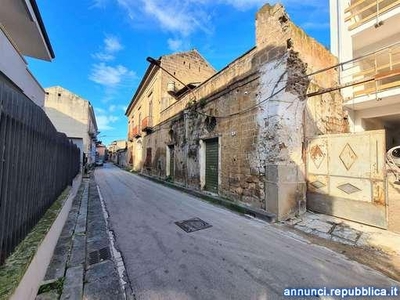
{"x": 56, "y": 286}
{"x": 202, "y": 102}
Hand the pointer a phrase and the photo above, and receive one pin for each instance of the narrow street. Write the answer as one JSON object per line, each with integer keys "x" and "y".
{"x": 236, "y": 258}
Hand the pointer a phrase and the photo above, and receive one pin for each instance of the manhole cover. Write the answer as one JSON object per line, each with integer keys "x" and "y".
{"x": 193, "y": 224}
{"x": 99, "y": 255}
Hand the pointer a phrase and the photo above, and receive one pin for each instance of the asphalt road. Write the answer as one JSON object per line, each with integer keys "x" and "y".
{"x": 236, "y": 258}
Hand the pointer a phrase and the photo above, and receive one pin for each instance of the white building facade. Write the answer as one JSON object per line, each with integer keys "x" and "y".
{"x": 365, "y": 36}
{"x": 75, "y": 117}
{"x": 22, "y": 33}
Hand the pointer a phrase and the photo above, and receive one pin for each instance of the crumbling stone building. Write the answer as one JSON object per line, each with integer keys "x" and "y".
{"x": 241, "y": 132}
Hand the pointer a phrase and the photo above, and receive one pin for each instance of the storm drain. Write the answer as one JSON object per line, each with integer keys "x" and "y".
{"x": 99, "y": 255}
{"x": 193, "y": 224}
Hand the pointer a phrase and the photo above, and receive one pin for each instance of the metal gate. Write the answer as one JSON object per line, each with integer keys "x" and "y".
{"x": 346, "y": 176}
{"x": 212, "y": 166}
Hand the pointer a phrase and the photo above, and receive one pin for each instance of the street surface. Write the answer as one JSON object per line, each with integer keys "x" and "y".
{"x": 236, "y": 258}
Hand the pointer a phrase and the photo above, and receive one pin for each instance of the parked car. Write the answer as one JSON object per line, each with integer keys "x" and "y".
{"x": 99, "y": 163}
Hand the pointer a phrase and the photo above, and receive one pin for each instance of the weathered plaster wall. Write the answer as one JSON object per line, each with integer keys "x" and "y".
{"x": 257, "y": 107}
{"x": 71, "y": 115}
{"x": 190, "y": 67}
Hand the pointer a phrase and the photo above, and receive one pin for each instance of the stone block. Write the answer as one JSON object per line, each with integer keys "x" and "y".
{"x": 73, "y": 284}
{"x": 52, "y": 295}
{"x": 78, "y": 251}
{"x": 102, "y": 282}
{"x": 346, "y": 233}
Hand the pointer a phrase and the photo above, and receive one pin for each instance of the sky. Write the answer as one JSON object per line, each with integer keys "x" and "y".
{"x": 101, "y": 45}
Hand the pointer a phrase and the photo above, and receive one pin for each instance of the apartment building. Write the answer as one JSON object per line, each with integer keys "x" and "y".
{"x": 348, "y": 175}
{"x": 365, "y": 36}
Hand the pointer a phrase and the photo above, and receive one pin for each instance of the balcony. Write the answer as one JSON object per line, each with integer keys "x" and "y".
{"x": 130, "y": 136}
{"x": 147, "y": 124}
{"x": 373, "y": 73}
{"x": 363, "y": 11}
{"x": 14, "y": 66}
{"x": 134, "y": 133}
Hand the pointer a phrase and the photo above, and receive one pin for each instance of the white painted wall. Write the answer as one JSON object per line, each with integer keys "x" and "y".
{"x": 79, "y": 143}
{"x": 343, "y": 44}
{"x": 13, "y": 65}
{"x": 71, "y": 115}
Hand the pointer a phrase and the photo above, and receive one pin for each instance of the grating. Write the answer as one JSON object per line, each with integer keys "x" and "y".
{"x": 193, "y": 224}
{"x": 99, "y": 255}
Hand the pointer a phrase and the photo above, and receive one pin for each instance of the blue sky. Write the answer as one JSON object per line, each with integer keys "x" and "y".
{"x": 101, "y": 45}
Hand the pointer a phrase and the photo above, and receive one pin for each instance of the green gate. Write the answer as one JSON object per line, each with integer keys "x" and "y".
{"x": 212, "y": 166}
{"x": 171, "y": 162}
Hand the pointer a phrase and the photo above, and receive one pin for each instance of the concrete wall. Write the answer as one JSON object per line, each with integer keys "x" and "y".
{"x": 14, "y": 66}
{"x": 73, "y": 116}
{"x": 258, "y": 109}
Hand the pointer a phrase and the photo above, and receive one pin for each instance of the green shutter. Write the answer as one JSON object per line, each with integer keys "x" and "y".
{"x": 212, "y": 166}
{"x": 172, "y": 162}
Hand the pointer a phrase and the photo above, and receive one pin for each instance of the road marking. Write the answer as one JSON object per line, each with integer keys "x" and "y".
{"x": 115, "y": 253}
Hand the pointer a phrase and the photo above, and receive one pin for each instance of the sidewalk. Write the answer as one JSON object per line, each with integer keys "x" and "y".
{"x": 374, "y": 247}
{"x": 84, "y": 263}
{"x": 347, "y": 232}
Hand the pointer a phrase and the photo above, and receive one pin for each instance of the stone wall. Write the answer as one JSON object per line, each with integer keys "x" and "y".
{"x": 258, "y": 108}
{"x": 189, "y": 67}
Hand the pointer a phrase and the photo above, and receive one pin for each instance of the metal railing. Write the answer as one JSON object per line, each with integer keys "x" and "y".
{"x": 374, "y": 72}
{"x": 36, "y": 164}
{"x": 362, "y": 11}
{"x": 147, "y": 123}
{"x": 136, "y": 132}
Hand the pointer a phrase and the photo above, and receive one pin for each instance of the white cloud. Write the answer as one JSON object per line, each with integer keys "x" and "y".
{"x": 103, "y": 56}
{"x": 104, "y": 122}
{"x": 110, "y": 76}
{"x": 112, "y": 108}
{"x": 184, "y": 17}
{"x": 175, "y": 44}
{"x": 112, "y": 44}
{"x": 99, "y": 3}
{"x": 244, "y": 4}
{"x": 99, "y": 111}
{"x": 181, "y": 17}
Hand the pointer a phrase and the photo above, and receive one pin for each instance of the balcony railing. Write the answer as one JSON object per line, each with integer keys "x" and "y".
{"x": 130, "y": 135}
{"x": 373, "y": 73}
{"x": 134, "y": 133}
{"x": 147, "y": 124}
{"x": 362, "y": 11}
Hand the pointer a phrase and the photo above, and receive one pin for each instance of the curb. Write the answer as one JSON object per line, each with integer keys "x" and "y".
{"x": 243, "y": 209}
